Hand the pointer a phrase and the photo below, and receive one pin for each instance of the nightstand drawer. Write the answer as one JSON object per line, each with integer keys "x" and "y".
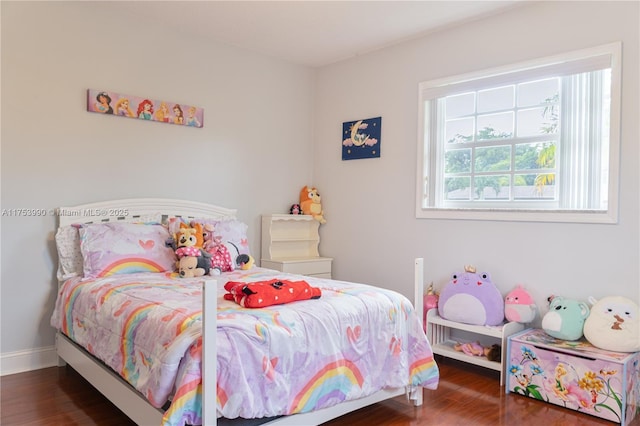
{"x": 314, "y": 266}
{"x": 326, "y": 275}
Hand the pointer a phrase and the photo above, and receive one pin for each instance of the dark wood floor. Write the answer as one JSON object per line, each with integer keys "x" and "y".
{"x": 467, "y": 395}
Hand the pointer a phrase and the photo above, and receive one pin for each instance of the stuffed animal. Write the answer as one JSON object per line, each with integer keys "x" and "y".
{"x": 192, "y": 262}
{"x": 519, "y": 306}
{"x": 295, "y": 209}
{"x": 613, "y": 324}
{"x": 188, "y": 241}
{"x": 209, "y": 238}
{"x": 245, "y": 261}
{"x": 225, "y": 256}
{"x": 192, "y": 266}
{"x": 221, "y": 259}
{"x": 565, "y": 319}
{"x": 431, "y": 298}
{"x": 471, "y": 298}
{"x": 189, "y": 236}
{"x": 310, "y": 203}
{"x": 429, "y": 301}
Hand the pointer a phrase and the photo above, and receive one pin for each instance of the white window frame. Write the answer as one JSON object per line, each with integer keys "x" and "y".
{"x": 431, "y": 90}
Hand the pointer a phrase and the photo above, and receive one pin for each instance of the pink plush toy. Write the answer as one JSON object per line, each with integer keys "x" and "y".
{"x": 519, "y": 306}
{"x": 220, "y": 257}
{"x": 210, "y": 241}
{"x": 430, "y": 301}
{"x": 431, "y": 298}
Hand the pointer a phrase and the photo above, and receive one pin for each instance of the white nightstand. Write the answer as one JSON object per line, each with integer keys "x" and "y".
{"x": 290, "y": 244}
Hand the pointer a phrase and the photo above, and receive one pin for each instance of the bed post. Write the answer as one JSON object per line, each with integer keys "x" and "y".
{"x": 419, "y": 307}
{"x": 209, "y": 354}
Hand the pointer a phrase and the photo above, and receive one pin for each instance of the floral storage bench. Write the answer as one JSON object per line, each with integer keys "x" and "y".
{"x": 575, "y": 375}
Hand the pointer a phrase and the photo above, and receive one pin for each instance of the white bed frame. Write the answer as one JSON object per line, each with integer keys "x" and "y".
{"x": 123, "y": 395}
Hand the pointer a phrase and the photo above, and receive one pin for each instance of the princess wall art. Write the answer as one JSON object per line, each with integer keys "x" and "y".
{"x": 106, "y": 102}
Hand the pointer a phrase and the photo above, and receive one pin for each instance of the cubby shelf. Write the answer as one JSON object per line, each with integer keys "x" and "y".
{"x": 439, "y": 333}
{"x": 290, "y": 244}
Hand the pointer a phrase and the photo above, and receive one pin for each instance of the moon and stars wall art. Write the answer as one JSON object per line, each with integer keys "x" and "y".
{"x": 361, "y": 138}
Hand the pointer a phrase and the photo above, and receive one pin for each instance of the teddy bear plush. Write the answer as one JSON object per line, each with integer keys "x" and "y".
{"x": 565, "y": 319}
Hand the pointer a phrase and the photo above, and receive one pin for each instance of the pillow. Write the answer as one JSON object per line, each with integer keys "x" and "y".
{"x": 68, "y": 246}
{"x": 233, "y": 235}
{"x": 173, "y": 225}
{"x": 229, "y": 230}
{"x": 234, "y": 232}
{"x": 69, "y": 255}
{"x": 124, "y": 248}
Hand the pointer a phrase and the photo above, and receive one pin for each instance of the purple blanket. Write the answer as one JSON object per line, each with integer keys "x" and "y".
{"x": 292, "y": 358}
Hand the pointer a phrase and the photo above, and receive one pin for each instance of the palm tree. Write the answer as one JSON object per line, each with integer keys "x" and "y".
{"x": 547, "y": 155}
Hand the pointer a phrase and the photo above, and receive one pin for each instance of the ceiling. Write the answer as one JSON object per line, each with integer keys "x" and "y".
{"x": 313, "y": 33}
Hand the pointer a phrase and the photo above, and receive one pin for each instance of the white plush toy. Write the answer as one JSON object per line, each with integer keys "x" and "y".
{"x": 613, "y": 324}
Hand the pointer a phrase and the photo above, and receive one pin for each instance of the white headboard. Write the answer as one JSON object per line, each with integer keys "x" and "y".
{"x": 128, "y": 210}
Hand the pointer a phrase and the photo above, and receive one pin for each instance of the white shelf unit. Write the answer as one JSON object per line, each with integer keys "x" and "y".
{"x": 290, "y": 244}
{"x": 439, "y": 333}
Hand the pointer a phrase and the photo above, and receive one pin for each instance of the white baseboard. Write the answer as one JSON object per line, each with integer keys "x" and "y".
{"x": 27, "y": 360}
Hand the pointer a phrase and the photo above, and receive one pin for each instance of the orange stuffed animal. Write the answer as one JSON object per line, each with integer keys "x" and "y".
{"x": 193, "y": 261}
{"x": 310, "y": 203}
{"x": 190, "y": 236}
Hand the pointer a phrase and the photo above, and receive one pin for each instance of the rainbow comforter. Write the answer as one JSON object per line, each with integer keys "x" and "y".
{"x": 285, "y": 359}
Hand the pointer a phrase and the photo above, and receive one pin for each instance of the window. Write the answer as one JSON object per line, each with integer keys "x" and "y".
{"x": 536, "y": 141}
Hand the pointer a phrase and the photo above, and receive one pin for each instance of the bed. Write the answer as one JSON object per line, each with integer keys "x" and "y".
{"x": 175, "y": 351}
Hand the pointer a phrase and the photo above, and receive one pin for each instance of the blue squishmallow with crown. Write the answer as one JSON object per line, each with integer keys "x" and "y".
{"x": 471, "y": 298}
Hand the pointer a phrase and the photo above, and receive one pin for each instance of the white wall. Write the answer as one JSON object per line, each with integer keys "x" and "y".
{"x": 372, "y": 232}
{"x": 55, "y": 153}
